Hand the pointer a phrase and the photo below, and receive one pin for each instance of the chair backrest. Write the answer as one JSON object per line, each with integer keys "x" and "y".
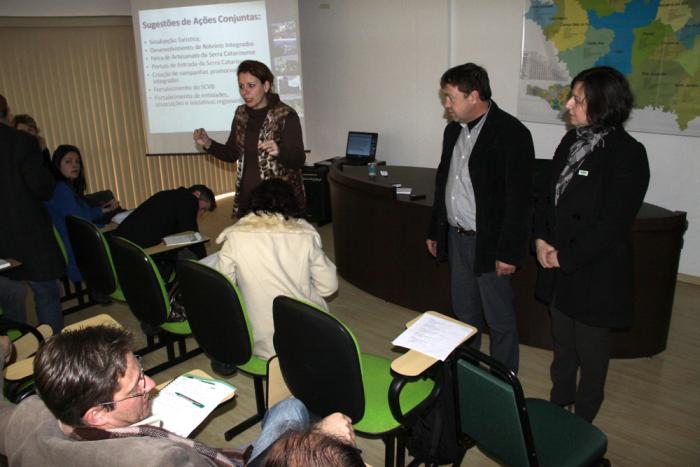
{"x": 491, "y": 408}
{"x": 92, "y": 255}
{"x": 319, "y": 359}
{"x": 140, "y": 281}
{"x": 216, "y": 313}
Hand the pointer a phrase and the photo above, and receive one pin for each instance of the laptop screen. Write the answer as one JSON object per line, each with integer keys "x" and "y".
{"x": 361, "y": 145}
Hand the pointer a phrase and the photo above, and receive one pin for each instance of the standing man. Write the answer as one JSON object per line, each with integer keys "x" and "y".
{"x": 483, "y": 207}
{"x": 25, "y": 227}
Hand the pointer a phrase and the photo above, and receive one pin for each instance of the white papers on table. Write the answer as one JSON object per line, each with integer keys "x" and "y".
{"x": 433, "y": 336}
{"x": 404, "y": 190}
{"x": 4, "y": 264}
{"x": 182, "y": 239}
{"x": 212, "y": 260}
{"x": 118, "y": 218}
{"x": 184, "y": 403}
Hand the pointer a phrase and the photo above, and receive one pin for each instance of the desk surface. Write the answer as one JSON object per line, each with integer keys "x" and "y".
{"x": 13, "y": 264}
{"x": 162, "y": 247}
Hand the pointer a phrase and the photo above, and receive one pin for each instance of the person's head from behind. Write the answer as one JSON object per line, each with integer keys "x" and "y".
{"x": 311, "y": 448}
{"x": 5, "y": 113}
{"x": 90, "y": 377}
{"x": 466, "y": 92}
{"x": 67, "y": 164}
{"x": 205, "y": 198}
{"x": 600, "y": 97}
{"x": 255, "y": 81}
{"x": 26, "y": 123}
{"x": 274, "y": 196}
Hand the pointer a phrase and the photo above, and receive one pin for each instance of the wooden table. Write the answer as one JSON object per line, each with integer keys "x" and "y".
{"x": 13, "y": 264}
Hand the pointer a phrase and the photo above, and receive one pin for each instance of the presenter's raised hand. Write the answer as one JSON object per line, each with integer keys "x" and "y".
{"x": 270, "y": 147}
{"x": 201, "y": 138}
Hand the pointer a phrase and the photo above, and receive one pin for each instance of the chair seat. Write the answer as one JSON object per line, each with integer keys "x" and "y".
{"x": 561, "y": 438}
{"x": 177, "y": 327}
{"x": 377, "y": 418}
{"x": 256, "y": 366}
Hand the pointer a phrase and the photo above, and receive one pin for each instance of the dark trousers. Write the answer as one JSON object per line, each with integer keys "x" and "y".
{"x": 484, "y": 299}
{"x": 579, "y": 346}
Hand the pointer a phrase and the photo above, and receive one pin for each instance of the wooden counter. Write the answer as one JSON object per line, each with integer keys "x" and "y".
{"x": 380, "y": 248}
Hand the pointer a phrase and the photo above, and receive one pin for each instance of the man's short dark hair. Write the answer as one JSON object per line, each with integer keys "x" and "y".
{"x": 467, "y": 78}
{"x": 274, "y": 196}
{"x": 608, "y": 96}
{"x": 205, "y": 194}
{"x": 24, "y": 119}
{"x": 313, "y": 449}
{"x": 76, "y": 370}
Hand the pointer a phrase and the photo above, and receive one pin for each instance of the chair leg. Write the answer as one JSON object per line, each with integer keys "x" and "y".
{"x": 401, "y": 448}
{"x": 389, "y": 445}
{"x": 260, "y": 405}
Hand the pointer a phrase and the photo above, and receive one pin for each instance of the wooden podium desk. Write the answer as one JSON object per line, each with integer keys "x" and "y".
{"x": 380, "y": 247}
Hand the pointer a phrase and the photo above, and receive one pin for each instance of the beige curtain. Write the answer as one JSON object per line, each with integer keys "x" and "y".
{"x": 78, "y": 78}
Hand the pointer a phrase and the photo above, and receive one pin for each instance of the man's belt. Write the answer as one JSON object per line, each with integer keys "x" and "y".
{"x": 465, "y": 232}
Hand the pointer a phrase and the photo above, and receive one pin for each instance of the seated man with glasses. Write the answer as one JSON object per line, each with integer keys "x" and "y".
{"x": 92, "y": 389}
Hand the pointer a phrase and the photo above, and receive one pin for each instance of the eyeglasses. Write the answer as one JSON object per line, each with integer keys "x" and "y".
{"x": 140, "y": 384}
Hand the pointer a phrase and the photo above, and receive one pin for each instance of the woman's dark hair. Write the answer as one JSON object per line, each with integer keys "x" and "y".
{"x": 257, "y": 69}
{"x": 311, "y": 448}
{"x": 467, "y": 78}
{"x": 79, "y": 184}
{"x": 274, "y": 196}
{"x": 76, "y": 370}
{"x": 608, "y": 96}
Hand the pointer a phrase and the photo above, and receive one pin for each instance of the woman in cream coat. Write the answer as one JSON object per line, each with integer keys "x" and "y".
{"x": 271, "y": 252}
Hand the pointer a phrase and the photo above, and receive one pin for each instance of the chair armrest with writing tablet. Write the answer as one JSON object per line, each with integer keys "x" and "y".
{"x": 397, "y": 384}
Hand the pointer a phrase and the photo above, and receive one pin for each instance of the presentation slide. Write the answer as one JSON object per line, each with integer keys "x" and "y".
{"x": 188, "y": 55}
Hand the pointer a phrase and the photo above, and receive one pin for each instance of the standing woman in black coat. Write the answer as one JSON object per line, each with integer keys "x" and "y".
{"x": 583, "y": 232}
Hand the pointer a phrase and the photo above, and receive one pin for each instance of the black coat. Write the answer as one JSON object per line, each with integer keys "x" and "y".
{"x": 591, "y": 227}
{"x": 165, "y": 213}
{"x": 26, "y": 231}
{"x": 501, "y": 170}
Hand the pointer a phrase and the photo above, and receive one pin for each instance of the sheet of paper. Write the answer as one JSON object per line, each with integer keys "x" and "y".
{"x": 184, "y": 403}
{"x": 4, "y": 264}
{"x": 433, "y": 336}
{"x": 182, "y": 239}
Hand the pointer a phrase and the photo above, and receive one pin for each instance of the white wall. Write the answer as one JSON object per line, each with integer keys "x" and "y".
{"x": 381, "y": 33}
{"x": 375, "y": 65}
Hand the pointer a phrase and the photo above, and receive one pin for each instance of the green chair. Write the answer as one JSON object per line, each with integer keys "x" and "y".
{"x": 322, "y": 365}
{"x": 516, "y": 431}
{"x": 219, "y": 321}
{"x": 93, "y": 257}
{"x": 148, "y": 300}
{"x": 71, "y": 290}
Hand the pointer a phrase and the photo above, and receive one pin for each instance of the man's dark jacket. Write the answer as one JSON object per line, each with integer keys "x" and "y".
{"x": 165, "y": 213}
{"x": 501, "y": 170}
{"x": 26, "y": 232}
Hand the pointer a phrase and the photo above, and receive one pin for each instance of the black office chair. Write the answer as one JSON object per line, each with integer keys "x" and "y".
{"x": 323, "y": 367}
{"x": 26, "y": 339}
{"x": 148, "y": 300}
{"x": 219, "y": 321}
{"x": 93, "y": 257}
{"x": 516, "y": 431}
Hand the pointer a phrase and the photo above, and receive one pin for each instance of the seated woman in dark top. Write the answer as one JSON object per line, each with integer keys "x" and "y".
{"x": 69, "y": 199}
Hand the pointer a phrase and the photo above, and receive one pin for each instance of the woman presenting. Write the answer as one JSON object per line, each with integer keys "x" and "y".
{"x": 265, "y": 138}
{"x": 583, "y": 231}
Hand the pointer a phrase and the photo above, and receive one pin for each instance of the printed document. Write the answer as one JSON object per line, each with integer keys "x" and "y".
{"x": 433, "y": 336}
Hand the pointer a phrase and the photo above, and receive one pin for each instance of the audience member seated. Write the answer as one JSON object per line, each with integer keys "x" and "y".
{"x": 165, "y": 213}
{"x": 69, "y": 199}
{"x": 273, "y": 251}
{"x": 92, "y": 390}
{"x": 315, "y": 448}
{"x": 26, "y": 123}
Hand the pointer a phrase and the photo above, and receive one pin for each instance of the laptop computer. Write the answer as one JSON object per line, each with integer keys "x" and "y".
{"x": 361, "y": 147}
